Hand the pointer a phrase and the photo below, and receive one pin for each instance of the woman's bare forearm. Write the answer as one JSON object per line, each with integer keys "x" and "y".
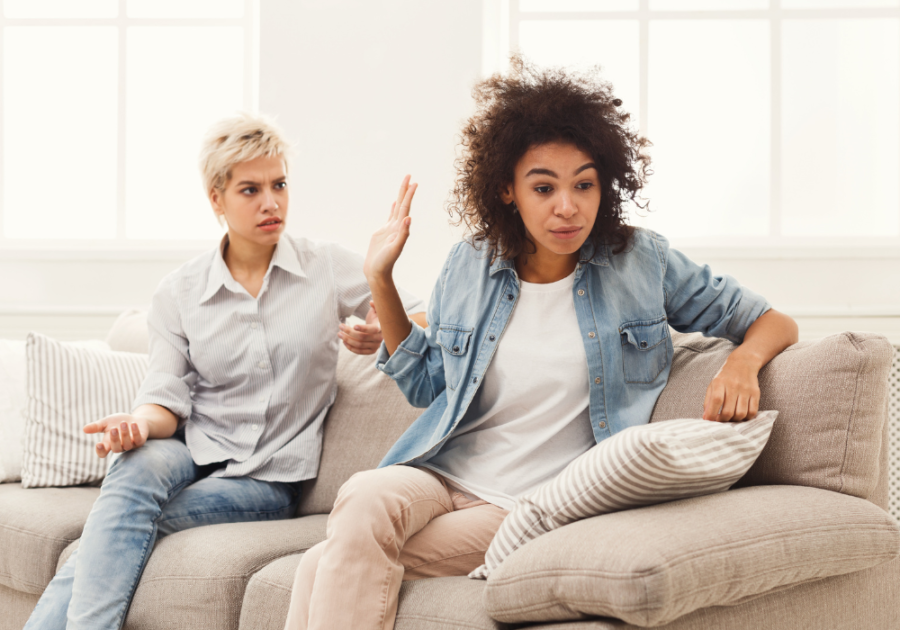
{"x": 771, "y": 333}
{"x": 395, "y": 324}
{"x": 161, "y": 422}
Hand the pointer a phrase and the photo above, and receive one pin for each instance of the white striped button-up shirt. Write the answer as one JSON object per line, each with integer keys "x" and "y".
{"x": 252, "y": 378}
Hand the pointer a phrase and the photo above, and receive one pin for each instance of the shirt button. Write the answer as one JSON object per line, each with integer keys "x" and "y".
{"x": 580, "y": 291}
{"x": 261, "y": 399}
{"x": 643, "y": 344}
{"x": 492, "y": 337}
{"x": 597, "y": 380}
{"x": 509, "y": 297}
{"x": 602, "y": 425}
{"x": 455, "y": 348}
{"x": 261, "y": 364}
{"x": 255, "y": 427}
{"x": 591, "y": 335}
{"x": 253, "y": 325}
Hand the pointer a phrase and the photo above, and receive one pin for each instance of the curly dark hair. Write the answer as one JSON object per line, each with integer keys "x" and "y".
{"x": 533, "y": 106}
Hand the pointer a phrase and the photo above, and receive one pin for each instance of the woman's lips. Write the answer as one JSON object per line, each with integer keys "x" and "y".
{"x": 269, "y": 227}
{"x": 566, "y": 233}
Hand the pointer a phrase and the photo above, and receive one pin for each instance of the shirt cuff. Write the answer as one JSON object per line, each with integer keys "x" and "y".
{"x": 407, "y": 355}
{"x": 166, "y": 391}
{"x": 749, "y": 309}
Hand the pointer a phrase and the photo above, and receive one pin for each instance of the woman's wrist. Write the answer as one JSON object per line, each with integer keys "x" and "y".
{"x": 746, "y": 358}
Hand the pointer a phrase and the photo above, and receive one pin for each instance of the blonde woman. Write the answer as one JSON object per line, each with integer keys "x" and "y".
{"x": 243, "y": 350}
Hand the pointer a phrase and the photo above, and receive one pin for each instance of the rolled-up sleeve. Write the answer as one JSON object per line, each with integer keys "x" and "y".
{"x": 170, "y": 374}
{"x": 698, "y": 301}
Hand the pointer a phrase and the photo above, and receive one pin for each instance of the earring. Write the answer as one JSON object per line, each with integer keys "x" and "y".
{"x": 515, "y": 208}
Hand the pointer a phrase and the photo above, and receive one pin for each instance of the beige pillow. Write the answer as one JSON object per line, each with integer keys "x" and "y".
{"x": 129, "y": 332}
{"x": 639, "y": 466}
{"x": 68, "y": 387}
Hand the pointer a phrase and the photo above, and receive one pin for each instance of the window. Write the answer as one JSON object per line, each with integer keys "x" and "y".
{"x": 103, "y": 104}
{"x": 774, "y": 122}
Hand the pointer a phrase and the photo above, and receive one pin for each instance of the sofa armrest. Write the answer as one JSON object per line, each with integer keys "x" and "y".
{"x": 652, "y": 565}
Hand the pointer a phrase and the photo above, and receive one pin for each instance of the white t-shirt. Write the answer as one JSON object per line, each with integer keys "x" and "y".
{"x": 530, "y": 418}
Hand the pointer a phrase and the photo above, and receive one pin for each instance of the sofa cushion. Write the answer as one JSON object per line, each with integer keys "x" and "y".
{"x": 830, "y": 395}
{"x": 430, "y": 604}
{"x": 651, "y": 565}
{"x": 195, "y": 579}
{"x": 642, "y": 465}
{"x": 69, "y": 387}
{"x": 35, "y": 527}
{"x": 368, "y": 416}
{"x": 129, "y": 332}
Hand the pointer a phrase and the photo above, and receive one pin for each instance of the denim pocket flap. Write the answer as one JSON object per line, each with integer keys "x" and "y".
{"x": 454, "y": 340}
{"x": 646, "y": 334}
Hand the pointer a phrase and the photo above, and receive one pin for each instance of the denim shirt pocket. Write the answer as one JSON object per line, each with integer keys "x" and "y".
{"x": 454, "y": 340}
{"x": 645, "y": 353}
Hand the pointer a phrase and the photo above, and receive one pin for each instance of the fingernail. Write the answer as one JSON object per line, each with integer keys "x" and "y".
{"x": 357, "y": 328}
{"x": 114, "y": 434}
{"x": 135, "y": 428}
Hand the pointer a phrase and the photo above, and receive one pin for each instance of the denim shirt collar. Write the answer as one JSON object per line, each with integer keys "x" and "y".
{"x": 587, "y": 254}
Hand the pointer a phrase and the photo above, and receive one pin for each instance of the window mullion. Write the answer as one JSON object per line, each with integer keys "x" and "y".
{"x": 515, "y": 17}
{"x": 644, "y": 64}
{"x": 775, "y": 122}
{"x": 121, "y": 140}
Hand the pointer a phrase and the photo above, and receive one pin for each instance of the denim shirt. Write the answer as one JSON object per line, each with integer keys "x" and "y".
{"x": 625, "y": 304}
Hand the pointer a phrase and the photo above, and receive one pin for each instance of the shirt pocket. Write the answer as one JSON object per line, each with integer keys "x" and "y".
{"x": 454, "y": 341}
{"x": 645, "y": 353}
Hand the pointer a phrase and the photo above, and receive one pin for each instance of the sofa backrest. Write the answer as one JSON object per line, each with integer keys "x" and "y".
{"x": 367, "y": 417}
{"x": 831, "y": 395}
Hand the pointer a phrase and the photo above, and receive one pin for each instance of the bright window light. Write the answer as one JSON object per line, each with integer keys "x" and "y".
{"x": 185, "y": 8}
{"x": 59, "y": 132}
{"x": 709, "y": 121}
{"x": 180, "y": 80}
{"x": 841, "y": 129}
{"x": 60, "y": 9}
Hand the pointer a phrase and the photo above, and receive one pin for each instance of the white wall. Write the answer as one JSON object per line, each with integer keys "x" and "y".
{"x": 371, "y": 91}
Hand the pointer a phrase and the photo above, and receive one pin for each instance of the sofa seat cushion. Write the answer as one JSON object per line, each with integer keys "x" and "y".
{"x": 195, "y": 579}
{"x": 36, "y": 525}
{"x": 432, "y": 604}
{"x": 651, "y": 565}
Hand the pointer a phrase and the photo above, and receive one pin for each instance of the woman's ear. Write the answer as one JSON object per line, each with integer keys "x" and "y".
{"x": 215, "y": 200}
{"x": 506, "y": 194}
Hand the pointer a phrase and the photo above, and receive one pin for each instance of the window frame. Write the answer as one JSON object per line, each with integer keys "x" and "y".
{"x": 501, "y": 36}
{"x": 121, "y": 247}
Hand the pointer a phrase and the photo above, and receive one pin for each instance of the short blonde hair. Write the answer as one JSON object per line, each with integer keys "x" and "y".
{"x": 237, "y": 139}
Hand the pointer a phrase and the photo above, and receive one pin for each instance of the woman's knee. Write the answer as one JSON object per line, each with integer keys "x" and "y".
{"x": 157, "y": 463}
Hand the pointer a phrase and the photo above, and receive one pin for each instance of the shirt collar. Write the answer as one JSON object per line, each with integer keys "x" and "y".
{"x": 219, "y": 275}
{"x": 587, "y": 254}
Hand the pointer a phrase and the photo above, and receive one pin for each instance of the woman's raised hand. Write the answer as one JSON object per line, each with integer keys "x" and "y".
{"x": 387, "y": 243}
{"x": 121, "y": 432}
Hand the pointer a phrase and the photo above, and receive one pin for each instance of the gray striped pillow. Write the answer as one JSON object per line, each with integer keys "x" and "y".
{"x": 67, "y": 388}
{"x": 639, "y": 466}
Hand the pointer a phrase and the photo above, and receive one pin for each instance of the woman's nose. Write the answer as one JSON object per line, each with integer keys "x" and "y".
{"x": 566, "y": 206}
{"x": 268, "y": 201}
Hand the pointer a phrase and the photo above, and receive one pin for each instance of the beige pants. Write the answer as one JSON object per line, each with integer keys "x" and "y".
{"x": 388, "y": 525}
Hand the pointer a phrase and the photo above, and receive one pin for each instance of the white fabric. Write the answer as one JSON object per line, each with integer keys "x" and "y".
{"x": 642, "y": 465}
{"x": 255, "y": 376}
{"x": 68, "y": 387}
{"x": 530, "y": 417}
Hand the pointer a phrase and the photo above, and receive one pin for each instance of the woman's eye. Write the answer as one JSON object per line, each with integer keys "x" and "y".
{"x": 280, "y": 185}
{"x": 249, "y": 190}
{"x": 542, "y": 190}
{"x": 584, "y": 186}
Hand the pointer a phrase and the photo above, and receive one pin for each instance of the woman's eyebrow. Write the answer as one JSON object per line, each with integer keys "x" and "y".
{"x": 541, "y": 171}
{"x": 586, "y": 166}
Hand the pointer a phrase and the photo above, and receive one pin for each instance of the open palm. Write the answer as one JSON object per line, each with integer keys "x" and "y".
{"x": 387, "y": 243}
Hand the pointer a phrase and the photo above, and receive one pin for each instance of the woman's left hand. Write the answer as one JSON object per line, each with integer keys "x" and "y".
{"x": 733, "y": 395}
{"x": 362, "y": 339}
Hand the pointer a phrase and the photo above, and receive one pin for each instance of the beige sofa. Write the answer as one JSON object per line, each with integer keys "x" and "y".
{"x": 804, "y": 542}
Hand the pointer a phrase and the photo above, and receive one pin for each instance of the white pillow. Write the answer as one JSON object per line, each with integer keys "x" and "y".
{"x": 68, "y": 387}
{"x": 639, "y": 466}
{"x": 13, "y": 400}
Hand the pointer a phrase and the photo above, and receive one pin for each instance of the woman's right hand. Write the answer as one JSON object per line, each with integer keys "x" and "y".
{"x": 121, "y": 432}
{"x": 387, "y": 243}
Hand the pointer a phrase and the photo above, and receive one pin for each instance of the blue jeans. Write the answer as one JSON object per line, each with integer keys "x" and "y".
{"x": 151, "y": 491}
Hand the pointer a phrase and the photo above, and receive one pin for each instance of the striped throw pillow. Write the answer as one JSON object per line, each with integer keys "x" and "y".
{"x": 653, "y": 463}
{"x": 67, "y": 388}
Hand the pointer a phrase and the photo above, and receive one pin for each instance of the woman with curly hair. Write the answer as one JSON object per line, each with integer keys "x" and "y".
{"x": 548, "y": 332}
